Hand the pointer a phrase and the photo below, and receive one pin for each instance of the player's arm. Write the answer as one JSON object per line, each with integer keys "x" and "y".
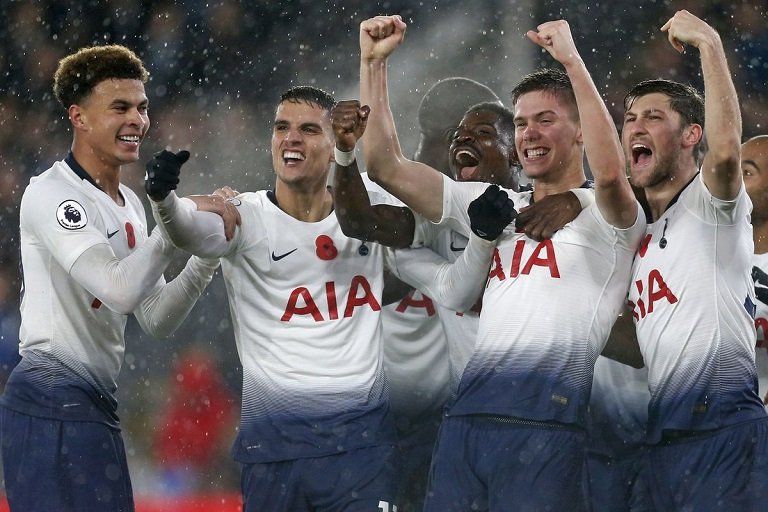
{"x": 163, "y": 311}
{"x": 622, "y": 345}
{"x": 417, "y": 185}
{"x": 721, "y": 170}
{"x": 602, "y": 145}
{"x": 203, "y": 233}
{"x": 122, "y": 284}
{"x": 458, "y": 285}
{"x": 386, "y": 224}
{"x": 547, "y": 215}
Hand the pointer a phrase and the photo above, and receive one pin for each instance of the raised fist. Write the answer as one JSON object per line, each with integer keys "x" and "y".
{"x": 163, "y": 173}
{"x": 490, "y": 213}
{"x": 349, "y": 120}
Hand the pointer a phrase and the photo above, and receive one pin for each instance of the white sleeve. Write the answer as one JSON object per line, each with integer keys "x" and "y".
{"x": 122, "y": 284}
{"x": 163, "y": 311}
{"x": 198, "y": 233}
{"x": 456, "y": 286}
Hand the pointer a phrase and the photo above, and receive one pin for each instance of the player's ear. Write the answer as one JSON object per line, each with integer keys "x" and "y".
{"x": 692, "y": 134}
{"x": 77, "y": 117}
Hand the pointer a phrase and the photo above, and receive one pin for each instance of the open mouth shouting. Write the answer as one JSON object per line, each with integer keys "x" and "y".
{"x": 641, "y": 155}
{"x": 466, "y": 159}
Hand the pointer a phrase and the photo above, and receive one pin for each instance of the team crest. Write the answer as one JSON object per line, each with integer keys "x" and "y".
{"x": 71, "y": 215}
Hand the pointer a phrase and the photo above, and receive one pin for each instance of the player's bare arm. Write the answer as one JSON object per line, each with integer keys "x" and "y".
{"x": 601, "y": 140}
{"x": 622, "y": 345}
{"x": 417, "y": 185}
{"x": 389, "y": 225}
{"x": 722, "y": 118}
{"x": 548, "y": 215}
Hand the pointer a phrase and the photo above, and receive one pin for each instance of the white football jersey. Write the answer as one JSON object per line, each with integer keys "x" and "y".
{"x": 618, "y": 408}
{"x": 547, "y": 311}
{"x": 67, "y": 335}
{"x": 415, "y": 359}
{"x": 305, "y": 305}
{"x": 460, "y": 327}
{"x": 693, "y": 298}
{"x": 760, "y": 277}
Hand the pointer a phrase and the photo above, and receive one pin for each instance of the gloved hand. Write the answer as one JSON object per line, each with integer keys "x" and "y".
{"x": 163, "y": 173}
{"x": 490, "y": 213}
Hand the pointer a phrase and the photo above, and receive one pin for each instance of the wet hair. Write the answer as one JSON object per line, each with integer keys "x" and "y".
{"x": 683, "y": 99}
{"x": 79, "y": 72}
{"x": 446, "y": 102}
{"x": 551, "y": 81}
{"x": 308, "y": 94}
{"x": 506, "y": 116}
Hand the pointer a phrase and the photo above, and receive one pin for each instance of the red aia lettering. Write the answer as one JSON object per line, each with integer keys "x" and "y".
{"x": 301, "y": 295}
{"x": 543, "y": 255}
{"x": 657, "y": 291}
{"x": 410, "y": 302}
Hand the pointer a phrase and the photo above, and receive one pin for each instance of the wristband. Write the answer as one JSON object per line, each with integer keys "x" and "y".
{"x": 343, "y": 158}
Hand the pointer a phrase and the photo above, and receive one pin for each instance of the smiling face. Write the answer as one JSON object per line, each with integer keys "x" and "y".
{"x": 547, "y": 135}
{"x": 652, "y": 137}
{"x": 481, "y": 150}
{"x": 302, "y": 143}
{"x": 754, "y": 165}
{"x": 110, "y": 123}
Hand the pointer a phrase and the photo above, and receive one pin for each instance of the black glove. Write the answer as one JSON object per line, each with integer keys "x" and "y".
{"x": 490, "y": 213}
{"x": 163, "y": 173}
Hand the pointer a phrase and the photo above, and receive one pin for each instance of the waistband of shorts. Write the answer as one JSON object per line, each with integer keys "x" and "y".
{"x": 525, "y": 422}
{"x": 672, "y": 436}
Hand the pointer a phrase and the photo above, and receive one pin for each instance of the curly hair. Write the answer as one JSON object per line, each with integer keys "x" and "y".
{"x": 79, "y": 72}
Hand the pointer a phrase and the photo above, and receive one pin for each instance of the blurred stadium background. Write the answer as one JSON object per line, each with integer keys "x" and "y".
{"x": 217, "y": 69}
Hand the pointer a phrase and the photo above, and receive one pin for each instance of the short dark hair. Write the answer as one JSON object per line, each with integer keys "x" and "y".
{"x": 79, "y": 72}
{"x": 683, "y": 98}
{"x": 506, "y": 116}
{"x": 446, "y": 102}
{"x": 308, "y": 94}
{"x": 549, "y": 80}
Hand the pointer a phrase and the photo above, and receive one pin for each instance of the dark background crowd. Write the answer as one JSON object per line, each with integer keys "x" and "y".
{"x": 217, "y": 69}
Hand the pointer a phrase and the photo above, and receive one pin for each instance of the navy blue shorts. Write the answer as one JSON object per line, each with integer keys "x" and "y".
{"x": 360, "y": 480}
{"x": 487, "y": 464}
{"x": 723, "y": 470}
{"x": 66, "y": 466}
{"x": 616, "y": 484}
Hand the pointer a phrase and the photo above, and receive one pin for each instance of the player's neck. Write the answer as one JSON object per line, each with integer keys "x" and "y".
{"x": 661, "y": 195}
{"x": 306, "y": 206}
{"x": 106, "y": 177}
{"x": 760, "y": 235}
{"x": 573, "y": 178}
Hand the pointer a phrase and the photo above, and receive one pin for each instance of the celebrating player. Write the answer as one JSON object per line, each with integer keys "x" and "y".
{"x": 516, "y": 423}
{"x": 315, "y": 428}
{"x": 692, "y": 295}
{"x": 88, "y": 263}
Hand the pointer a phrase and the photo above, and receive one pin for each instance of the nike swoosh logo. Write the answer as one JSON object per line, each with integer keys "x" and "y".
{"x": 456, "y": 249}
{"x": 278, "y": 258}
{"x": 110, "y": 235}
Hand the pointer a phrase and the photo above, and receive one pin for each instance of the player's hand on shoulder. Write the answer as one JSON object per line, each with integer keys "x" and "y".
{"x": 226, "y": 192}
{"x": 224, "y": 207}
{"x": 548, "y": 215}
{"x": 380, "y": 36}
{"x": 163, "y": 173}
{"x": 490, "y": 213}
{"x": 349, "y": 120}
